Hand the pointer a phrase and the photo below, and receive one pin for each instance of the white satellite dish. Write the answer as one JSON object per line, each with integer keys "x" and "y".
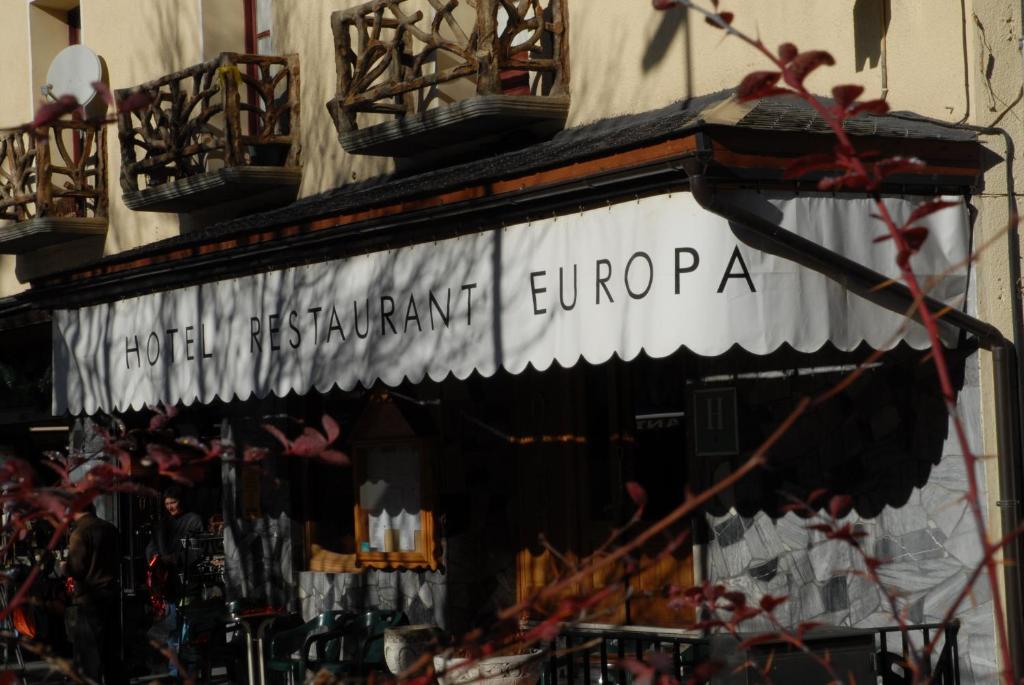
{"x": 72, "y": 72}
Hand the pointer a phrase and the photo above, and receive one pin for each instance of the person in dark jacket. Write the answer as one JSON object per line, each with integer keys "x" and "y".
{"x": 169, "y": 543}
{"x": 93, "y": 620}
{"x": 173, "y": 530}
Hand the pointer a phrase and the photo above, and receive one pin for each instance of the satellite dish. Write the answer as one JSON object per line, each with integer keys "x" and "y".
{"x": 72, "y": 72}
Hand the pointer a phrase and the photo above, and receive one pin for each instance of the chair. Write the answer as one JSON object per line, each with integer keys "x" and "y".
{"x": 286, "y": 642}
{"x": 368, "y": 631}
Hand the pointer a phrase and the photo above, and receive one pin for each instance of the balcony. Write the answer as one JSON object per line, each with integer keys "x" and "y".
{"x": 463, "y": 76}
{"x": 53, "y": 186}
{"x": 221, "y": 131}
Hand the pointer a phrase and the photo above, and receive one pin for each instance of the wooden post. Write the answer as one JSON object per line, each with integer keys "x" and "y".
{"x": 44, "y": 190}
{"x": 126, "y": 136}
{"x": 102, "y": 197}
{"x": 294, "y": 113}
{"x": 233, "y": 153}
{"x": 488, "y": 80}
{"x": 344, "y": 118}
{"x": 560, "y": 47}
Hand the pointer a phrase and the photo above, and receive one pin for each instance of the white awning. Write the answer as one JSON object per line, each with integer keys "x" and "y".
{"x": 652, "y": 275}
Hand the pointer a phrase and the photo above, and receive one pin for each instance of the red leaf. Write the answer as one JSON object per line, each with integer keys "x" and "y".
{"x": 334, "y": 457}
{"x": 800, "y": 67}
{"x": 787, "y": 51}
{"x": 926, "y": 208}
{"x": 854, "y": 180}
{"x": 103, "y": 90}
{"x": 163, "y": 457}
{"x": 847, "y": 94}
{"x": 769, "y": 602}
{"x": 871, "y": 107}
{"x": 808, "y": 163}
{"x": 713, "y": 592}
{"x": 872, "y": 562}
{"x": 914, "y": 237}
{"x": 135, "y": 101}
{"x": 309, "y": 444}
{"x": 737, "y": 598}
{"x": 331, "y": 429}
{"x": 664, "y": 4}
{"x": 723, "y": 17}
{"x": 51, "y": 111}
{"x": 804, "y": 627}
{"x": 895, "y": 165}
{"x": 758, "y": 84}
{"x": 839, "y": 505}
{"x": 637, "y": 493}
{"x": 846, "y": 532}
{"x": 276, "y": 432}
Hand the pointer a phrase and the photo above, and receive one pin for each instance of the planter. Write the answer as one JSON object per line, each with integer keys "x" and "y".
{"x": 403, "y": 645}
{"x": 509, "y": 669}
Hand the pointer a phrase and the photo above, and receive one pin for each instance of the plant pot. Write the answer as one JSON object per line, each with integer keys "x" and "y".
{"x": 403, "y": 645}
{"x": 507, "y": 669}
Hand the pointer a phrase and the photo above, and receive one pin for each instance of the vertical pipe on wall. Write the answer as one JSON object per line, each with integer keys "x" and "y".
{"x": 883, "y": 57}
{"x": 1009, "y": 503}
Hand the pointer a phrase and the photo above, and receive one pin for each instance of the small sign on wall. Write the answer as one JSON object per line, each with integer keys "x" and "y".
{"x": 715, "y": 427}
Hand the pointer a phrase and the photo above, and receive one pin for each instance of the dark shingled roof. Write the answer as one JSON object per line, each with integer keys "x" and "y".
{"x": 570, "y": 145}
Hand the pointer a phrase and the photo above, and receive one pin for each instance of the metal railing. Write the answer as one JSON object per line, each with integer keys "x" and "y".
{"x": 942, "y": 670}
{"x": 58, "y": 170}
{"x": 234, "y": 110}
{"x": 391, "y": 61}
{"x": 594, "y": 656}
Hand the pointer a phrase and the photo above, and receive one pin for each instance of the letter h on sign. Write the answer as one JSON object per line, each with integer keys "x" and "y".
{"x": 715, "y": 428}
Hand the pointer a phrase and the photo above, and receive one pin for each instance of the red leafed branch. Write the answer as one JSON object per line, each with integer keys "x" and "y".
{"x": 855, "y": 170}
{"x": 312, "y": 443}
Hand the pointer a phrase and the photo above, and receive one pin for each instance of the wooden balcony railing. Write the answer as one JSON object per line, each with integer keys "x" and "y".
{"x": 212, "y": 132}
{"x": 53, "y": 185}
{"x": 397, "y": 61}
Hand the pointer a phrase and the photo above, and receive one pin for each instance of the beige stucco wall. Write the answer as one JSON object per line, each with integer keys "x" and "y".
{"x": 304, "y": 27}
{"x": 16, "y": 103}
{"x": 139, "y": 41}
{"x": 995, "y": 91}
{"x": 625, "y": 57}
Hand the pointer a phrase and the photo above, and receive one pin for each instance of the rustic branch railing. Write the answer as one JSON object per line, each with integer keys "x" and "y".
{"x": 388, "y": 60}
{"x": 235, "y": 110}
{"x": 58, "y": 171}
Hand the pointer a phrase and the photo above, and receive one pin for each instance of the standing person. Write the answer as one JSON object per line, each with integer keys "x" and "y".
{"x": 93, "y": 621}
{"x": 168, "y": 542}
{"x": 173, "y": 529}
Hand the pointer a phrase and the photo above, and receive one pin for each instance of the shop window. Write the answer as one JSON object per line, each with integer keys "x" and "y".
{"x": 393, "y": 517}
{"x": 379, "y": 513}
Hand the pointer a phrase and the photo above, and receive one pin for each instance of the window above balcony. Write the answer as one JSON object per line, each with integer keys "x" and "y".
{"x": 459, "y": 77}
{"x": 216, "y": 132}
